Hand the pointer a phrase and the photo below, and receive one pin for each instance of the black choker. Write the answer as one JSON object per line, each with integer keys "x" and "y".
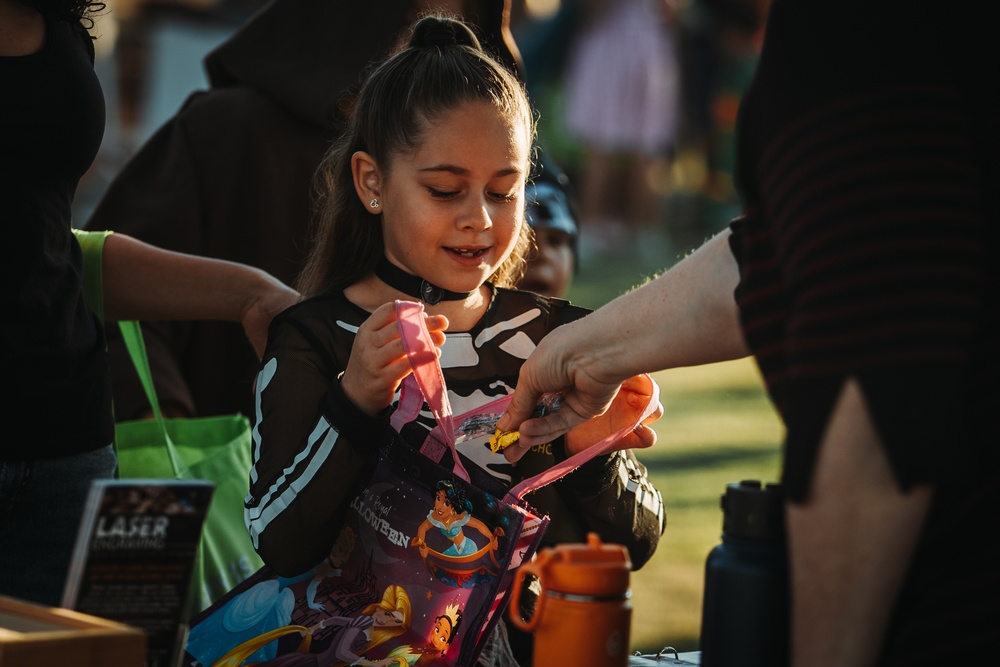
{"x": 415, "y": 286}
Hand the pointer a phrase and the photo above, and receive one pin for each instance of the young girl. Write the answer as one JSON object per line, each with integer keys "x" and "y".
{"x": 423, "y": 199}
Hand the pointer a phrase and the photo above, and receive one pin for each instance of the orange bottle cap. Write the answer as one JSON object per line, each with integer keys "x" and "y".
{"x": 592, "y": 569}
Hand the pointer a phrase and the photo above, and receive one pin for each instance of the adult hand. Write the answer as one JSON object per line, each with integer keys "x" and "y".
{"x": 273, "y": 298}
{"x": 629, "y": 403}
{"x": 550, "y": 369}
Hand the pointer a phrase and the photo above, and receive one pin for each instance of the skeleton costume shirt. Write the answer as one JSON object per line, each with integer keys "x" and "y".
{"x": 311, "y": 443}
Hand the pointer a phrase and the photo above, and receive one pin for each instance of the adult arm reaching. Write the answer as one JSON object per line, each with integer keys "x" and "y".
{"x": 685, "y": 317}
{"x": 866, "y": 279}
{"x": 143, "y": 282}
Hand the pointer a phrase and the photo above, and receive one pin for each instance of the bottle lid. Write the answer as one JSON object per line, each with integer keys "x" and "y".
{"x": 753, "y": 511}
{"x": 594, "y": 568}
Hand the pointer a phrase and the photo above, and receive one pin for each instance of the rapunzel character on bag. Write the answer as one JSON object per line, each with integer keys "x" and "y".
{"x": 352, "y": 636}
{"x": 264, "y": 605}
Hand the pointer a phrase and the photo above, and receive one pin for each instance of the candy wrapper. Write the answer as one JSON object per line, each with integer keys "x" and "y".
{"x": 501, "y": 440}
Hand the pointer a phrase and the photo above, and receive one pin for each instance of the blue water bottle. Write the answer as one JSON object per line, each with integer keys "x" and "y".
{"x": 745, "y": 612}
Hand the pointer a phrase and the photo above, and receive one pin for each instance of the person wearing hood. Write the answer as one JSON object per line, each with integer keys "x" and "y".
{"x": 230, "y": 176}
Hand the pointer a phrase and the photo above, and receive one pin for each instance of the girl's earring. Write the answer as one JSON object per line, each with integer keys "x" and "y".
{"x": 374, "y": 203}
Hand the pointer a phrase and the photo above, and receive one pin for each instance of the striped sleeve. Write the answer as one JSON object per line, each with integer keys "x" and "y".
{"x": 311, "y": 447}
{"x": 866, "y": 257}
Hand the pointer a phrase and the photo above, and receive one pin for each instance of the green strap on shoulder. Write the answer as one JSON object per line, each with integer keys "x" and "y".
{"x": 92, "y": 244}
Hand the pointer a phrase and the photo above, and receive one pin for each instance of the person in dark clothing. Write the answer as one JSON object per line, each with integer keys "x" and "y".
{"x": 866, "y": 286}
{"x": 231, "y": 175}
{"x": 55, "y": 358}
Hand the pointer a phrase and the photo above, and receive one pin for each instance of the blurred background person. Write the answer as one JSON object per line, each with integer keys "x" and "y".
{"x": 720, "y": 46}
{"x": 622, "y": 99}
{"x": 716, "y": 45}
{"x": 551, "y": 211}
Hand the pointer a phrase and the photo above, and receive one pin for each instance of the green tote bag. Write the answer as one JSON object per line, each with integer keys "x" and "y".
{"x": 210, "y": 448}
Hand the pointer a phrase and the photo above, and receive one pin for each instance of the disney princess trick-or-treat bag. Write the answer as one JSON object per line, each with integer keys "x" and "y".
{"x": 423, "y": 564}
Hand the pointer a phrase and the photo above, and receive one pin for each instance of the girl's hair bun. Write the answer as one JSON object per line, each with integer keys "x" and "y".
{"x": 439, "y": 31}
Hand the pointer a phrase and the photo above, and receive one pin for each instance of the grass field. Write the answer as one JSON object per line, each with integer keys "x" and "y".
{"x": 718, "y": 427}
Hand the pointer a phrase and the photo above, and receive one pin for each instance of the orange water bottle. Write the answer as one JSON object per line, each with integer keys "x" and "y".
{"x": 583, "y": 614}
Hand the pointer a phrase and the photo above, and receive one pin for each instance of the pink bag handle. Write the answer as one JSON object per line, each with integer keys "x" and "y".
{"x": 427, "y": 372}
{"x": 604, "y": 446}
{"x": 422, "y": 353}
{"x": 411, "y": 401}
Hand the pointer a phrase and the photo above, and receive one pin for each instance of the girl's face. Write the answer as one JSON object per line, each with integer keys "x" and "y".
{"x": 453, "y": 208}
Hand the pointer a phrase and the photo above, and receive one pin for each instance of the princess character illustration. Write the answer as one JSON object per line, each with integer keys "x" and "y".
{"x": 439, "y": 641}
{"x": 463, "y": 563}
{"x": 451, "y": 514}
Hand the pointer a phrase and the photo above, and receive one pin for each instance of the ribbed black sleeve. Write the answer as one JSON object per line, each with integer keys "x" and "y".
{"x": 866, "y": 250}
{"x": 869, "y": 163}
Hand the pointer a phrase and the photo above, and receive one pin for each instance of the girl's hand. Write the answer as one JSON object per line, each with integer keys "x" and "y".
{"x": 627, "y": 405}
{"x": 378, "y": 363}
